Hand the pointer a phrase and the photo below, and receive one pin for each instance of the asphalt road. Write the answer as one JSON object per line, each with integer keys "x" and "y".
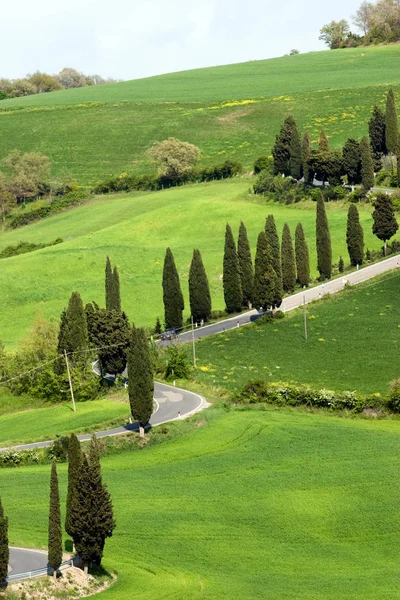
{"x": 23, "y": 561}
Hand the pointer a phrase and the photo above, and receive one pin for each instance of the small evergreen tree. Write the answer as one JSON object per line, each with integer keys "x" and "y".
{"x": 109, "y": 284}
{"x": 341, "y": 265}
{"x": 260, "y": 267}
{"x": 323, "y": 144}
{"x": 245, "y": 265}
{"x": 55, "y": 536}
{"x": 231, "y": 274}
{"x": 391, "y": 122}
{"x": 172, "y": 293}
{"x": 367, "y": 164}
{"x": 73, "y": 334}
{"x": 296, "y": 153}
{"x": 109, "y": 334}
{"x": 140, "y": 378}
{"x": 271, "y": 234}
{"x": 354, "y": 236}
{"x": 385, "y": 224}
{"x": 323, "y": 239}
{"x": 4, "y": 549}
{"x": 281, "y": 150}
{"x": 352, "y": 161}
{"x": 302, "y": 257}
{"x": 116, "y": 291}
{"x": 306, "y": 153}
{"x": 288, "y": 260}
{"x": 377, "y": 136}
{"x": 199, "y": 289}
{"x": 158, "y": 328}
{"x": 74, "y": 464}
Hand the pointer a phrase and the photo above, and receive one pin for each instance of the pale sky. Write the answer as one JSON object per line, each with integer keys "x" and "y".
{"x": 128, "y": 39}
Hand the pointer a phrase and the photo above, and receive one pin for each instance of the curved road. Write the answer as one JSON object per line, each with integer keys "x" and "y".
{"x": 23, "y": 561}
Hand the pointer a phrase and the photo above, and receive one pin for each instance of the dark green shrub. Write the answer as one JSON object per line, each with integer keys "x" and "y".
{"x": 263, "y": 163}
{"x": 24, "y": 247}
{"x": 59, "y": 449}
{"x": 393, "y": 402}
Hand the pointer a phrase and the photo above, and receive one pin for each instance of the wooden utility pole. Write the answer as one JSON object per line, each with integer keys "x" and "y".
{"x": 70, "y": 382}
{"x": 194, "y": 347}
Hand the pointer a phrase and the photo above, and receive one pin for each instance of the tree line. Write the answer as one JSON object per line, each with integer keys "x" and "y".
{"x": 378, "y": 23}
{"x": 358, "y": 161}
{"x": 39, "y": 83}
{"x": 89, "y": 519}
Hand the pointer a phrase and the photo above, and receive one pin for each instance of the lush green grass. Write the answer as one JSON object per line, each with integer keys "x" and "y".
{"x": 251, "y": 505}
{"x": 353, "y": 344}
{"x": 47, "y": 422}
{"x": 12, "y": 404}
{"x": 230, "y": 111}
{"x": 134, "y": 231}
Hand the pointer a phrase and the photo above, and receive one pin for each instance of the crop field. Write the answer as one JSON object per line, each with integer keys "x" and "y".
{"x": 232, "y": 111}
{"x": 353, "y": 344}
{"x": 253, "y": 504}
{"x": 134, "y": 231}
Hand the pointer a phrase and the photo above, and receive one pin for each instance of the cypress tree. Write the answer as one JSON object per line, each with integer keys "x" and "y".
{"x": 377, "y": 136}
{"x": 246, "y": 266}
{"x": 392, "y": 126}
{"x": 354, "y": 236}
{"x": 73, "y": 334}
{"x": 306, "y": 153}
{"x": 109, "y": 284}
{"x": 231, "y": 274}
{"x": 341, "y": 265}
{"x": 172, "y": 293}
{"x": 140, "y": 378}
{"x": 158, "y": 328}
{"x": 275, "y": 258}
{"x": 302, "y": 257}
{"x": 86, "y": 539}
{"x": 260, "y": 267}
{"x": 199, "y": 289}
{"x": 367, "y": 164}
{"x": 55, "y": 535}
{"x": 352, "y": 161}
{"x": 295, "y": 151}
{"x": 323, "y": 144}
{"x": 385, "y": 224}
{"x": 116, "y": 291}
{"x": 281, "y": 150}
{"x": 288, "y": 260}
{"x": 4, "y": 549}
{"x": 323, "y": 238}
{"x": 74, "y": 464}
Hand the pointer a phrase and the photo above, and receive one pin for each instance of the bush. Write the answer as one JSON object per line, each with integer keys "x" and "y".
{"x": 393, "y": 402}
{"x": 59, "y": 449}
{"x": 24, "y": 247}
{"x": 177, "y": 364}
{"x": 14, "y": 458}
{"x": 263, "y": 163}
{"x": 386, "y": 178}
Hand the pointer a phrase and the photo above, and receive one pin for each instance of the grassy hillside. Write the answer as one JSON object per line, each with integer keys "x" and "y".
{"x": 353, "y": 344}
{"x": 230, "y": 111}
{"x": 251, "y": 505}
{"x": 135, "y": 230}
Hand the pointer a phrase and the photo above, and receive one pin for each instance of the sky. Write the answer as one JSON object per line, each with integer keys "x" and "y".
{"x": 128, "y": 39}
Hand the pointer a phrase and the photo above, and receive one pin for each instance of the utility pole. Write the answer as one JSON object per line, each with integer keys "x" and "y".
{"x": 305, "y": 317}
{"x": 194, "y": 347}
{"x": 70, "y": 382}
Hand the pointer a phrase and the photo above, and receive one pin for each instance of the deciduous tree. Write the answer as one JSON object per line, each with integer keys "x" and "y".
{"x": 173, "y": 157}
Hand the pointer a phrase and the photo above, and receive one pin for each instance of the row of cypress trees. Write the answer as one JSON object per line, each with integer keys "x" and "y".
{"x": 89, "y": 512}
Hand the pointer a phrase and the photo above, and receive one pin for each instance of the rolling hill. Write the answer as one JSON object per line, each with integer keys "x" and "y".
{"x": 229, "y": 111}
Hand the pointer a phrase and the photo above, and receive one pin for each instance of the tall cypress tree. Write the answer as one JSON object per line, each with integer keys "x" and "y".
{"x": 377, "y": 136}
{"x": 302, "y": 256}
{"x": 306, "y": 153}
{"x": 4, "y": 549}
{"x": 281, "y": 150}
{"x": 354, "y": 236}
{"x": 288, "y": 260}
{"x": 385, "y": 224}
{"x": 199, "y": 289}
{"x": 275, "y": 258}
{"x": 323, "y": 238}
{"x": 86, "y": 540}
{"x": 172, "y": 293}
{"x": 391, "y": 122}
{"x": 265, "y": 285}
{"x": 231, "y": 274}
{"x": 323, "y": 144}
{"x": 73, "y": 334}
{"x": 352, "y": 161}
{"x": 109, "y": 284}
{"x": 55, "y": 535}
{"x": 140, "y": 378}
{"x": 367, "y": 164}
{"x": 295, "y": 151}
{"x": 116, "y": 291}
{"x": 74, "y": 464}
{"x": 246, "y": 266}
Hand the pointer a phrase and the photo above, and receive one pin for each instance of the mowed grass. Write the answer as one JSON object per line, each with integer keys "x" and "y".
{"x": 251, "y": 505}
{"x": 134, "y": 231}
{"x": 45, "y": 423}
{"x": 353, "y": 344}
{"x": 232, "y": 111}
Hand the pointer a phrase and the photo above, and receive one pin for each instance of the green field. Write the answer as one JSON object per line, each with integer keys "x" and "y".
{"x": 251, "y": 505}
{"x": 232, "y": 111}
{"x": 353, "y": 344}
{"x": 135, "y": 230}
